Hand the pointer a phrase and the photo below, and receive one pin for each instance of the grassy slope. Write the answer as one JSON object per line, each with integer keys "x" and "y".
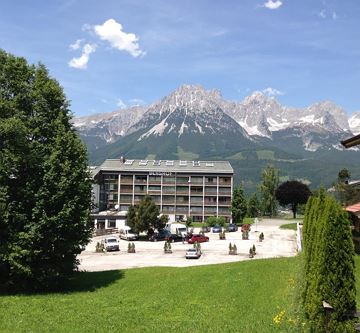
{"x": 219, "y": 298}
{"x": 238, "y": 297}
{"x": 290, "y": 226}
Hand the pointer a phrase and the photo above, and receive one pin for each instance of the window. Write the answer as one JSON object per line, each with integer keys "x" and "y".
{"x": 196, "y": 163}
{"x": 129, "y": 162}
{"x": 182, "y": 180}
{"x": 154, "y": 179}
{"x": 143, "y": 162}
{"x": 209, "y": 164}
{"x": 111, "y": 223}
{"x": 157, "y": 163}
{"x": 169, "y": 163}
{"x": 183, "y": 163}
{"x": 154, "y": 188}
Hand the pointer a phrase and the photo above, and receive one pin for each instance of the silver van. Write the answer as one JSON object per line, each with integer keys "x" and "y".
{"x": 128, "y": 234}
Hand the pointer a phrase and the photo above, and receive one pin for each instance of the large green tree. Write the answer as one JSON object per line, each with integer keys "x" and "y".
{"x": 268, "y": 186}
{"x": 292, "y": 193}
{"x": 145, "y": 216}
{"x": 253, "y": 207}
{"x": 238, "y": 205}
{"x": 45, "y": 186}
{"x": 346, "y": 193}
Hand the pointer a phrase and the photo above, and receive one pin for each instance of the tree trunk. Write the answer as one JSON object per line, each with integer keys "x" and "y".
{"x": 294, "y": 206}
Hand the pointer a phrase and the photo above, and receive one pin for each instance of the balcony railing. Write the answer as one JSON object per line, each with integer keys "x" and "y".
{"x": 210, "y": 203}
{"x": 181, "y": 209}
{"x": 126, "y": 181}
{"x": 224, "y": 192}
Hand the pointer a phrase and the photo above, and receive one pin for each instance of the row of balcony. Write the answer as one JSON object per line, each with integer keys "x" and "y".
{"x": 179, "y": 201}
{"x": 180, "y": 180}
{"x": 172, "y": 192}
{"x": 177, "y": 210}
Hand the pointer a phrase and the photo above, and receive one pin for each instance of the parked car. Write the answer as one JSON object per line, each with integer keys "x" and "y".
{"x": 128, "y": 234}
{"x": 111, "y": 244}
{"x": 216, "y": 229}
{"x": 162, "y": 235}
{"x": 198, "y": 238}
{"x": 205, "y": 228}
{"x": 177, "y": 229}
{"x": 232, "y": 227}
{"x": 193, "y": 254}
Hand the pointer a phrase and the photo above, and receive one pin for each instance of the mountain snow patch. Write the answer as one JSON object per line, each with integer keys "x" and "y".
{"x": 158, "y": 129}
{"x": 199, "y": 128}
{"x": 275, "y": 126}
{"x": 182, "y": 128}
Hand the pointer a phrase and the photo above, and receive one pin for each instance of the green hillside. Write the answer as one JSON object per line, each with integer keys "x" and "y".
{"x": 247, "y": 158}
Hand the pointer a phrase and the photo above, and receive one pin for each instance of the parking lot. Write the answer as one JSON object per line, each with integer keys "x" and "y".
{"x": 277, "y": 243}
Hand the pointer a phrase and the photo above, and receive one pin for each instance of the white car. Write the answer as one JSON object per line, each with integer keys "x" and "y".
{"x": 193, "y": 254}
{"x": 111, "y": 244}
{"x": 128, "y": 234}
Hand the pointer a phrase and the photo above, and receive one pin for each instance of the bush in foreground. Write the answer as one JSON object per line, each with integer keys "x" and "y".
{"x": 329, "y": 266}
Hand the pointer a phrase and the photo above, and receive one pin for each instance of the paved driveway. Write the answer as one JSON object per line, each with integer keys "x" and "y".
{"x": 277, "y": 243}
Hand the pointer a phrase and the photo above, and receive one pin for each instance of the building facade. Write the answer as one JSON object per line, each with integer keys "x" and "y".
{"x": 198, "y": 189}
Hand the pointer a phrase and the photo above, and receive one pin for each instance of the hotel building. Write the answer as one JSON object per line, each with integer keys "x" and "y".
{"x": 198, "y": 189}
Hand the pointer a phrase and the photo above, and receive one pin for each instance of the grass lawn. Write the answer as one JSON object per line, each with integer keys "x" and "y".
{"x": 290, "y": 226}
{"x": 236, "y": 297}
{"x": 248, "y": 220}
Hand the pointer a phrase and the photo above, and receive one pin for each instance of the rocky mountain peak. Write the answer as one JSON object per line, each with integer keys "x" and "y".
{"x": 321, "y": 110}
{"x": 193, "y": 98}
{"x": 192, "y": 109}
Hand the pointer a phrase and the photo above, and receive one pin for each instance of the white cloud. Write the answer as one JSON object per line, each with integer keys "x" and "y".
{"x": 111, "y": 31}
{"x": 271, "y": 92}
{"x": 76, "y": 45}
{"x": 327, "y": 14}
{"x": 86, "y": 27}
{"x": 136, "y": 102}
{"x": 120, "y": 103}
{"x": 270, "y": 4}
{"x": 322, "y": 14}
{"x": 81, "y": 62}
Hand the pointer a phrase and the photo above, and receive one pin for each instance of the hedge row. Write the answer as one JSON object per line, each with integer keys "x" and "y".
{"x": 329, "y": 265}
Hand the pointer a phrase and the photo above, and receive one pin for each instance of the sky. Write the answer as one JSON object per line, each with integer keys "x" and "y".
{"x": 115, "y": 53}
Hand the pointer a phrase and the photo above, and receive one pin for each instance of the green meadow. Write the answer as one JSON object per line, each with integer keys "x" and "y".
{"x": 238, "y": 297}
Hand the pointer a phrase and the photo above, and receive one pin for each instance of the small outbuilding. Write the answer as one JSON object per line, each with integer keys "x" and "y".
{"x": 354, "y": 211}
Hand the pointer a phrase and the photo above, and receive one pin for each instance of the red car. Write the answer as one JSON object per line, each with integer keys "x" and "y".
{"x": 198, "y": 238}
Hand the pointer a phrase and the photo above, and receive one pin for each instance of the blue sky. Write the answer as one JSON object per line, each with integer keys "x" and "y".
{"x": 112, "y": 53}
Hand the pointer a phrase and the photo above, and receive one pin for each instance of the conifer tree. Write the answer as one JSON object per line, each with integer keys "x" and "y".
{"x": 253, "y": 208}
{"x": 131, "y": 218}
{"x": 270, "y": 182}
{"x": 238, "y": 205}
{"x": 329, "y": 265}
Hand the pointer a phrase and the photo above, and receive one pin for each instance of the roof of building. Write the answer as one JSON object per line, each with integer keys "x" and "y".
{"x": 166, "y": 166}
{"x": 351, "y": 142}
{"x": 353, "y": 208}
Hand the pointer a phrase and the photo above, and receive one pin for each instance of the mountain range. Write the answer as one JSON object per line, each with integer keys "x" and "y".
{"x": 195, "y": 123}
